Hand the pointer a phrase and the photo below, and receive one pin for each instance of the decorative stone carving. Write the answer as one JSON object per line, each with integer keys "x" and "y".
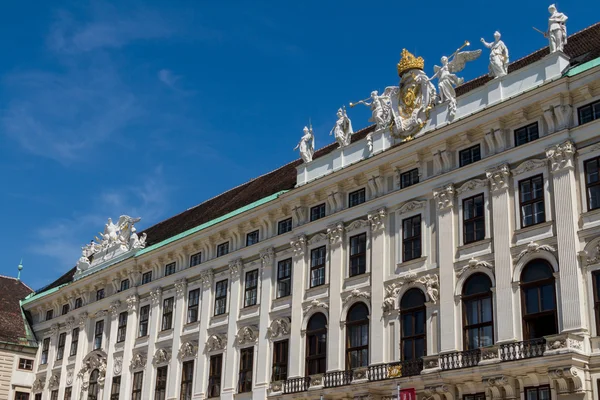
{"x": 489, "y": 353}
{"x": 207, "y": 278}
{"x": 568, "y": 380}
{"x": 101, "y": 314}
{"x": 276, "y": 386}
{"x": 267, "y": 256}
{"x": 359, "y": 374}
{"x": 557, "y": 29}
{"x": 188, "y": 349}
{"x": 70, "y": 376}
{"x": 335, "y": 232}
{"x": 498, "y": 177}
{"x": 316, "y": 380}
{"x": 156, "y": 295}
{"x": 563, "y": 116}
{"x": 315, "y": 304}
{"x": 94, "y": 360}
{"x": 83, "y": 317}
{"x": 381, "y": 110}
{"x": 246, "y": 335}
{"x": 54, "y": 381}
{"x": 306, "y": 145}
{"x": 529, "y": 165}
{"x": 298, "y": 244}
{"x": 444, "y": 197}
{"x": 280, "y": 327}
{"x": 38, "y": 385}
{"x": 216, "y": 342}
{"x": 180, "y": 286}
{"x": 411, "y": 206}
{"x": 498, "y": 66}
{"x": 561, "y": 155}
{"x": 70, "y": 322}
{"x": 357, "y": 224}
{"x": 430, "y": 281}
{"x": 533, "y": 247}
{"x": 132, "y": 302}
{"x": 473, "y": 184}
{"x": 235, "y": 268}
{"x": 138, "y": 361}
{"x": 474, "y": 264}
{"x": 500, "y": 387}
{"x": 161, "y": 356}
{"x": 377, "y": 219}
{"x": 441, "y": 391}
{"x": 115, "y": 307}
{"x": 317, "y": 238}
{"x": 342, "y": 131}
{"x": 357, "y": 294}
{"x": 118, "y": 365}
{"x": 54, "y": 328}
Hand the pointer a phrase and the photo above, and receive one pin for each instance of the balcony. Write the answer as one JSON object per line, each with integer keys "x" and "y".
{"x": 460, "y": 359}
{"x": 296, "y": 385}
{"x": 395, "y": 370}
{"x": 522, "y": 350}
{"x": 337, "y": 378}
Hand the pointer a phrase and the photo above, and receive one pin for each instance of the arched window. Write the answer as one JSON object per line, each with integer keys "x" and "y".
{"x": 93, "y": 385}
{"x": 316, "y": 345}
{"x": 414, "y": 333}
{"x": 478, "y": 320}
{"x": 357, "y": 336}
{"x": 538, "y": 300}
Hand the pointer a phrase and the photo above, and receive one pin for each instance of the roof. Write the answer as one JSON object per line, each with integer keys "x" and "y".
{"x": 581, "y": 47}
{"x": 12, "y": 321}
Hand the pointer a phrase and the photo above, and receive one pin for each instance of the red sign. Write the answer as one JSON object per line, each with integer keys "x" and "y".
{"x": 408, "y": 394}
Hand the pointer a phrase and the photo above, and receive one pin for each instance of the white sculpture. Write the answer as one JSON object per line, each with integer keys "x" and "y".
{"x": 498, "y": 56}
{"x": 381, "y": 108}
{"x": 557, "y": 29}
{"x": 307, "y": 145}
{"x": 447, "y": 80}
{"x": 342, "y": 131}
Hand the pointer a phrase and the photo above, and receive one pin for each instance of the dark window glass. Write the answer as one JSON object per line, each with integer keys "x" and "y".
{"x": 160, "y": 389}
{"x": 596, "y": 284}
{"x": 316, "y": 345}
{"x": 214, "y": 375}
{"x": 356, "y": 198}
{"x": 526, "y": 134}
{"x": 65, "y": 309}
{"x": 538, "y": 300}
{"x": 358, "y": 254}
{"x": 98, "y": 334}
{"x": 170, "y": 269}
{"x": 74, "y": 341}
{"x": 49, "y": 315}
{"x": 538, "y": 393}
{"x": 317, "y": 212}
{"x": 136, "y": 391}
{"x": 122, "y": 327}
{"x": 60, "y": 349}
{"x": 280, "y": 360}
{"x": 222, "y": 249}
{"x": 251, "y": 287}
{"x": 99, "y": 294}
{"x": 124, "y": 285}
{"x": 245, "y": 375}
{"x": 78, "y": 302}
{"x": 187, "y": 380}
{"x": 24, "y": 396}
{"x": 476, "y": 396}
{"x": 413, "y": 330}
{"x": 592, "y": 183}
{"x": 478, "y": 312}
{"x": 409, "y": 178}
{"x": 167, "y": 317}
{"x": 252, "y": 238}
{"x": 146, "y": 277}
{"x": 284, "y": 278}
{"x": 589, "y": 112}
{"x": 68, "y": 391}
{"x": 473, "y": 219}
{"x": 357, "y": 336}
{"x": 317, "y": 266}
{"x": 221, "y": 297}
{"x": 144, "y": 316}
{"x": 93, "y": 385}
{"x": 26, "y": 364}
{"x": 411, "y": 238}
{"x": 115, "y": 389}
{"x": 193, "y": 301}
{"x": 54, "y": 395}
{"x": 470, "y": 155}
{"x": 195, "y": 259}
{"x": 38, "y": 396}
{"x": 284, "y": 226}
{"x": 45, "y": 348}
{"x": 531, "y": 198}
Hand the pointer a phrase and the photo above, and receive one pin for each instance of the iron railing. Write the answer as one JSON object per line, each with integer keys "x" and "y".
{"x": 460, "y": 359}
{"x": 521, "y": 350}
{"x": 337, "y": 378}
{"x": 296, "y": 385}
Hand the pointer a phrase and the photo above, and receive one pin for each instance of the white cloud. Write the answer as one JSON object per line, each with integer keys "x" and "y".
{"x": 168, "y": 78}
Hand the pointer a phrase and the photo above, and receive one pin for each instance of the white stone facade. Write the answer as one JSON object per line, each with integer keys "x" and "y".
{"x": 567, "y": 240}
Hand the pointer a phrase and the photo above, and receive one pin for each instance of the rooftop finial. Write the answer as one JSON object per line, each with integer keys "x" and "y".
{"x": 20, "y": 267}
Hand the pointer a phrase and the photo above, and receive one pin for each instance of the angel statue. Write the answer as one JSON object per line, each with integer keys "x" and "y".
{"x": 447, "y": 80}
{"x": 343, "y": 128}
{"x": 380, "y": 107}
{"x": 307, "y": 145}
{"x": 498, "y": 56}
{"x": 557, "y": 29}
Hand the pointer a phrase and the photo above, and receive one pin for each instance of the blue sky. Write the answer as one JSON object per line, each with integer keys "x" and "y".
{"x": 148, "y": 108}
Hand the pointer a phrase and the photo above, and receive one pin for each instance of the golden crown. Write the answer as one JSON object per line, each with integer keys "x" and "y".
{"x": 408, "y": 61}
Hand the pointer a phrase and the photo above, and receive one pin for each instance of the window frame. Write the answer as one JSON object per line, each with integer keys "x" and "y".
{"x": 45, "y": 351}
{"x": 27, "y": 364}
{"x": 314, "y": 335}
{"x": 592, "y": 185}
{"x": 49, "y": 314}
{"x": 533, "y": 201}
{"x": 412, "y": 311}
{"x": 246, "y": 368}
{"x": 69, "y": 393}
{"x": 193, "y": 306}
{"x": 410, "y": 174}
{"x": 196, "y": 259}
{"x": 125, "y": 285}
{"x": 170, "y": 268}
{"x": 93, "y": 388}
{"x": 167, "y": 314}
{"x": 74, "y": 342}
{"x": 412, "y": 239}
{"x": 526, "y": 128}
{"x": 252, "y": 238}
{"x": 251, "y": 291}
{"x": 137, "y": 385}
{"x": 98, "y": 334}
{"x": 60, "y": 346}
{"x": 146, "y": 277}
{"x": 478, "y": 297}
{"x": 591, "y": 105}
{"x": 350, "y": 325}
{"x": 144, "y": 321}
{"x": 65, "y": 309}
{"x": 215, "y": 372}
{"x": 284, "y": 281}
{"x": 220, "y": 247}
{"x": 475, "y": 396}
{"x": 361, "y": 197}
{"x": 287, "y": 225}
{"x": 523, "y": 286}
{"x": 361, "y": 255}
{"x": 160, "y": 386}
{"x": 318, "y": 267}
{"x": 317, "y": 212}
{"x": 472, "y": 159}
{"x": 281, "y": 350}
{"x": 596, "y": 297}
{"x": 537, "y": 390}
{"x": 54, "y": 394}
{"x": 474, "y": 220}
{"x": 100, "y": 294}
{"x": 222, "y": 296}
{"x": 122, "y": 326}
{"x": 187, "y": 380}
{"x": 116, "y": 383}
{"x": 78, "y": 303}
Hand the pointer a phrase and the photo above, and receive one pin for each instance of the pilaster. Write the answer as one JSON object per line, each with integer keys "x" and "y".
{"x": 263, "y": 350}
{"x": 156, "y": 298}
{"x": 201, "y": 370}
{"x": 299, "y": 279}
{"x": 335, "y": 234}
{"x": 179, "y": 308}
{"x": 229, "y": 383}
{"x": 379, "y": 259}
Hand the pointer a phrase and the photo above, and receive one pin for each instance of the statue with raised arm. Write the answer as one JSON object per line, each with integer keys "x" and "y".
{"x": 381, "y": 108}
{"x": 498, "y": 56}
{"x": 307, "y": 145}
{"x": 557, "y": 29}
{"x": 447, "y": 80}
{"x": 342, "y": 131}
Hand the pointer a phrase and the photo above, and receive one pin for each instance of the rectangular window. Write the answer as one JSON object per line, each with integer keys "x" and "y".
{"x": 193, "y": 301}
{"x": 45, "y": 348}
{"x": 358, "y": 254}
{"x": 214, "y": 375}
{"x": 122, "y": 327}
{"x": 160, "y": 389}
{"x": 589, "y": 112}
{"x": 526, "y": 134}
{"x": 26, "y": 364}
{"x": 220, "y": 297}
{"x": 187, "y": 380}
{"x": 537, "y": 393}
{"x": 136, "y": 391}
{"x": 98, "y": 334}
{"x": 409, "y": 178}
{"x": 99, "y": 294}
{"x": 195, "y": 259}
{"x": 284, "y": 278}
{"x": 65, "y": 309}
{"x": 476, "y": 396}
{"x": 411, "y": 238}
{"x": 280, "y": 360}
{"x": 144, "y": 316}
{"x": 223, "y": 249}
{"x": 317, "y": 266}
{"x": 124, "y": 285}
{"x": 245, "y": 377}
{"x": 284, "y": 226}
{"x": 38, "y": 396}
{"x": 74, "y": 341}
{"x": 596, "y": 284}
{"x": 250, "y": 291}
{"x": 146, "y": 277}
{"x": 60, "y": 349}
{"x": 115, "y": 389}
{"x": 317, "y": 212}
{"x": 54, "y": 395}
{"x": 470, "y": 155}
{"x": 167, "y": 317}
{"x": 170, "y": 269}
{"x": 21, "y": 396}
{"x": 49, "y": 315}
{"x": 78, "y": 302}
{"x": 68, "y": 391}
{"x": 252, "y": 238}
{"x": 531, "y": 198}
{"x": 473, "y": 219}
{"x": 592, "y": 183}
{"x": 356, "y": 198}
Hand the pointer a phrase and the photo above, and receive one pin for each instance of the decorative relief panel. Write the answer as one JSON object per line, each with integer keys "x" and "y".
{"x": 280, "y": 327}
{"x": 161, "y": 356}
{"x": 188, "y": 349}
{"x": 246, "y": 335}
{"x": 216, "y": 342}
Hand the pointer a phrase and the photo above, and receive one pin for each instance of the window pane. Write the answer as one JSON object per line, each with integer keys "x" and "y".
{"x": 486, "y": 309}
{"x": 547, "y": 293}
{"x": 531, "y": 301}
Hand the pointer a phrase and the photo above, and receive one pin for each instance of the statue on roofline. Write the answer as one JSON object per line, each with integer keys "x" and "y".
{"x": 557, "y": 29}
{"x": 498, "y": 66}
{"x": 342, "y": 131}
{"x": 307, "y": 145}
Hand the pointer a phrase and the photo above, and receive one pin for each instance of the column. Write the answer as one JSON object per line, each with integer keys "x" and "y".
{"x": 565, "y": 200}
{"x": 111, "y": 340}
{"x": 69, "y": 324}
{"x": 444, "y": 198}
{"x": 153, "y": 329}
{"x": 231, "y": 366}
{"x": 262, "y": 351}
{"x": 502, "y": 228}
{"x": 179, "y": 311}
{"x": 82, "y": 350}
{"x": 299, "y": 279}
{"x": 201, "y": 370}
{"x": 335, "y": 343}
{"x": 130, "y": 337}
{"x": 379, "y": 258}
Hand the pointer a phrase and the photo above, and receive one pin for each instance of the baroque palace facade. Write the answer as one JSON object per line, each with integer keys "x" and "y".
{"x": 461, "y": 260}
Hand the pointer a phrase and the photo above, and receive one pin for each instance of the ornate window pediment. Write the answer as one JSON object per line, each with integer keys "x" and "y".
{"x": 247, "y": 335}
{"x": 138, "y": 361}
{"x": 161, "y": 356}
{"x": 280, "y": 327}
{"x": 94, "y": 360}
{"x": 188, "y": 349}
{"x": 216, "y": 342}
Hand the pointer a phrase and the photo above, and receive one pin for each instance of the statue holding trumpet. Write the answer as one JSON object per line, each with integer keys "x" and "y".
{"x": 380, "y": 106}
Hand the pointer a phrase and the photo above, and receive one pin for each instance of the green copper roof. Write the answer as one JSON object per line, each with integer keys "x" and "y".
{"x": 583, "y": 67}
